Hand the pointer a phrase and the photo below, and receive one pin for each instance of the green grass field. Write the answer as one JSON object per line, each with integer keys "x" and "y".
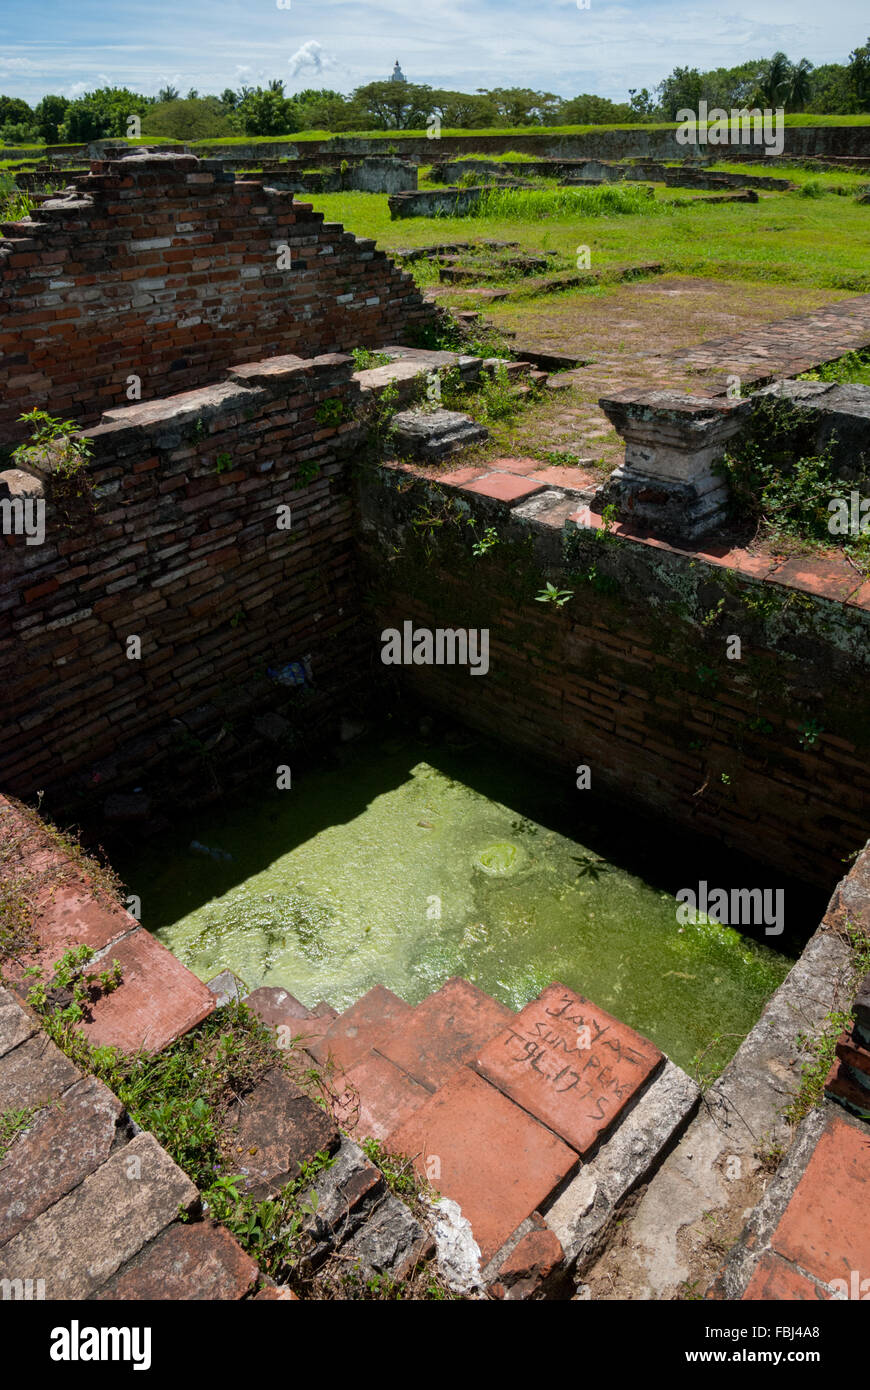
{"x": 784, "y": 238}
{"x": 852, "y": 179}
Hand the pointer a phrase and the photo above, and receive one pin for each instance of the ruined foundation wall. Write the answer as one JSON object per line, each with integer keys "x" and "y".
{"x": 163, "y": 268}
{"x": 176, "y": 541}
{"x": 769, "y": 753}
{"x": 603, "y": 142}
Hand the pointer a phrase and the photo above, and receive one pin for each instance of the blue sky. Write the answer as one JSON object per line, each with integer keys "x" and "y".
{"x": 47, "y": 46}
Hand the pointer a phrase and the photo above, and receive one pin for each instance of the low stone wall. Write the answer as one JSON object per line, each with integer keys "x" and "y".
{"x": 588, "y": 169}
{"x": 436, "y": 202}
{"x": 366, "y": 176}
{"x": 603, "y": 142}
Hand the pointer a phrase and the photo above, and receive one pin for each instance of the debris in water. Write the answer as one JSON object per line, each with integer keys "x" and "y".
{"x": 293, "y": 674}
{"x": 216, "y": 854}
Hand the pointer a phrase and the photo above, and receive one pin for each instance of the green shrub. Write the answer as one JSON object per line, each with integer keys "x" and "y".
{"x": 330, "y": 412}
{"x": 776, "y": 479}
{"x": 364, "y": 359}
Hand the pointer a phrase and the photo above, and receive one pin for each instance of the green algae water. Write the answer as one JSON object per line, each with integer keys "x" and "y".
{"x": 403, "y": 864}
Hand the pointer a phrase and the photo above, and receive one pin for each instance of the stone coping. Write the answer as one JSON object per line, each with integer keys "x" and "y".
{"x": 514, "y": 480}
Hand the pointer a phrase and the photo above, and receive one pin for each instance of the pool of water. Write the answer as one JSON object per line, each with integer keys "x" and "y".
{"x": 405, "y": 862}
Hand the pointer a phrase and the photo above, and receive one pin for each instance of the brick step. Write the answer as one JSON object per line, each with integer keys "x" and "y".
{"x": 291, "y": 1020}
{"x": 384, "y": 1057}
{"x": 447, "y": 1029}
{"x": 414, "y": 1056}
{"x": 510, "y": 1115}
{"x": 354, "y": 1033}
{"x": 499, "y": 1111}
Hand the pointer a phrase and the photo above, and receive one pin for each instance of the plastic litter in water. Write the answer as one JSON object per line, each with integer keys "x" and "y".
{"x": 294, "y": 673}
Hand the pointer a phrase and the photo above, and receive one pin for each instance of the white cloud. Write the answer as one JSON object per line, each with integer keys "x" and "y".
{"x": 10, "y": 66}
{"x": 311, "y": 55}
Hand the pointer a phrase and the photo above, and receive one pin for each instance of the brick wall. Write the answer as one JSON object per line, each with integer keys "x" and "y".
{"x": 184, "y": 551}
{"x": 162, "y": 267}
{"x": 631, "y": 677}
{"x": 601, "y": 142}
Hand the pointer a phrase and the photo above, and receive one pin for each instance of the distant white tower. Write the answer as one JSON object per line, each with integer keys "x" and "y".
{"x": 398, "y": 75}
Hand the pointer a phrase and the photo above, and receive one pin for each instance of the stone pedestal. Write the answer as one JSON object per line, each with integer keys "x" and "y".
{"x": 672, "y": 442}
{"x": 431, "y": 435}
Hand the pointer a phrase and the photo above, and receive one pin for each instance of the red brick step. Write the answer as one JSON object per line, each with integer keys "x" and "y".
{"x": 444, "y": 1031}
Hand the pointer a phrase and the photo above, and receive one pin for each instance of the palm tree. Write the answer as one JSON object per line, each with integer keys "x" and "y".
{"x": 773, "y": 87}
{"x": 800, "y": 85}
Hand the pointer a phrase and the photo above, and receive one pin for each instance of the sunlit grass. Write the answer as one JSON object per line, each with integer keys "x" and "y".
{"x": 784, "y": 239}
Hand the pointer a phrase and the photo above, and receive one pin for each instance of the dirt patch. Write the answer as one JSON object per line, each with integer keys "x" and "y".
{"x": 628, "y": 333}
{"x": 650, "y": 318}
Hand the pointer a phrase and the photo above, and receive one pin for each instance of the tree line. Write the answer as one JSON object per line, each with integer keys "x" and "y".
{"x": 830, "y": 89}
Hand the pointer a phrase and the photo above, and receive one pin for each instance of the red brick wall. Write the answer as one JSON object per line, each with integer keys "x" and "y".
{"x": 631, "y": 676}
{"x": 183, "y": 551}
{"x": 165, "y": 269}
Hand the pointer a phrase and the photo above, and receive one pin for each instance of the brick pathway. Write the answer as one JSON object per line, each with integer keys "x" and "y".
{"x": 782, "y": 348}
{"x": 786, "y": 347}
{"x": 820, "y": 1247}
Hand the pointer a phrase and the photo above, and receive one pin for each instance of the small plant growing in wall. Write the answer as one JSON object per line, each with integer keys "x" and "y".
{"x": 483, "y": 544}
{"x": 555, "y": 597}
{"x": 54, "y": 444}
{"x": 380, "y": 421}
{"x": 713, "y": 615}
{"x": 198, "y": 431}
{"x": 309, "y": 469}
{"x": 223, "y": 463}
{"x": 330, "y": 413}
{"x": 809, "y": 733}
{"x": 56, "y": 448}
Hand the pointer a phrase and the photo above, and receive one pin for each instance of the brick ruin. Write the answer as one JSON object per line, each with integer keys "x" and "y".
{"x": 165, "y": 268}
{"x": 180, "y": 545}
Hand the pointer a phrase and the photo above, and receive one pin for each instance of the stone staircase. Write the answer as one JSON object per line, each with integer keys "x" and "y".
{"x": 514, "y": 1118}
{"x": 531, "y": 1127}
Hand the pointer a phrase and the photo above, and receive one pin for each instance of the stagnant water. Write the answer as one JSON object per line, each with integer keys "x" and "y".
{"x": 405, "y": 862}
